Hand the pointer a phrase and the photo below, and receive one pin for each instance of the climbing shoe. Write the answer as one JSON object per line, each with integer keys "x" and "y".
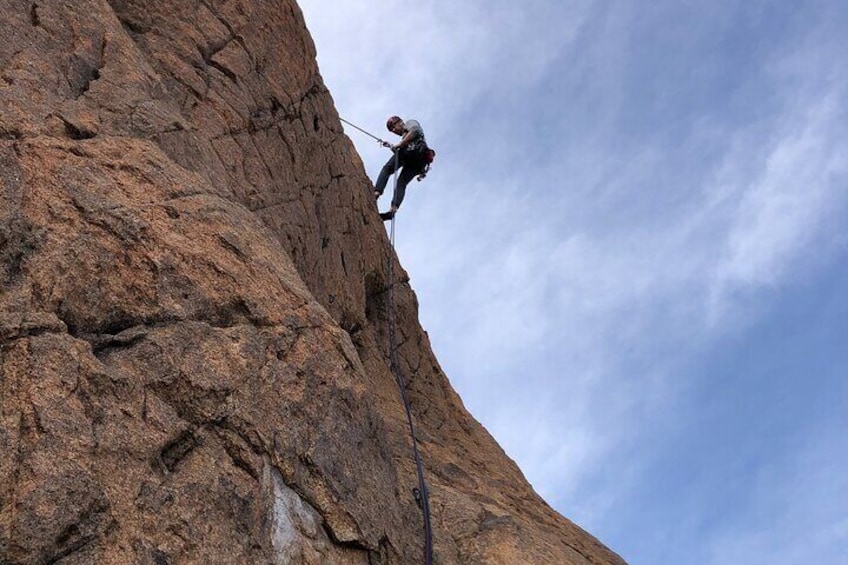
{"x": 387, "y": 215}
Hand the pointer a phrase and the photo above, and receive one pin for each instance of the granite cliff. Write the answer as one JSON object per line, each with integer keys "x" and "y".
{"x": 193, "y": 333}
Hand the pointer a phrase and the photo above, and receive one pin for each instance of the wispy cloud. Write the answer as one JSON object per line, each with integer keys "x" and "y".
{"x": 789, "y": 212}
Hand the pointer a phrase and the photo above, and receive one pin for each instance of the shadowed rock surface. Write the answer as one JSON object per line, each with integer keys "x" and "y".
{"x": 193, "y": 331}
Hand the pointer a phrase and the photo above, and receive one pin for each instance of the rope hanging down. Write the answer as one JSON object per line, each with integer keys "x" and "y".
{"x": 421, "y": 493}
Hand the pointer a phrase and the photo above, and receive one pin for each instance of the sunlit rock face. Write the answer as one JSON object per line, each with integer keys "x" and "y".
{"x": 193, "y": 318}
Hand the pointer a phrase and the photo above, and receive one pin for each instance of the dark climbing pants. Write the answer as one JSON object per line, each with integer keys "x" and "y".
{"x": 409, "y": 169}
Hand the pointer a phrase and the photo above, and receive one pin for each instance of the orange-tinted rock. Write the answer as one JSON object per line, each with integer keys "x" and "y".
{"x": 193, "y": 328}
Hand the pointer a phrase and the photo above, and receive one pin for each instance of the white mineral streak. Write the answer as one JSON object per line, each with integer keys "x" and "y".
{"x": 298, "y": 535}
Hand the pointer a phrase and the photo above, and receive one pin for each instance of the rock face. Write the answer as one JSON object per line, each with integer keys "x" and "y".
{"x": 193, "y": 325}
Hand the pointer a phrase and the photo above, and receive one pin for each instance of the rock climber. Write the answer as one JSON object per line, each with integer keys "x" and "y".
{"x": 411, "y": 156}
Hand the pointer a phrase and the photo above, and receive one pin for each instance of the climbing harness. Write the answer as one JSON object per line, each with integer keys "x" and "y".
{"x": 421, "y": 494}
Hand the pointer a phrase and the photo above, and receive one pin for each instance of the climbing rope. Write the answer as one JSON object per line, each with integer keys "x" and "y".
{"x": 384, "y": 143}
{"x": 422, "y": 496}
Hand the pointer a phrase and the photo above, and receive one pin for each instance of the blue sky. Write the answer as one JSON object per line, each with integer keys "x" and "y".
{"x": 632, "y": 253}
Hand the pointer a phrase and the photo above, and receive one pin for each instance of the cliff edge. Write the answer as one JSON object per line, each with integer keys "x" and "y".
{"x": 194, "y": 362}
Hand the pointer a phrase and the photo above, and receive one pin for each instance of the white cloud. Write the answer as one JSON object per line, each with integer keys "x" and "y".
{"x": 788, "y": 214}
